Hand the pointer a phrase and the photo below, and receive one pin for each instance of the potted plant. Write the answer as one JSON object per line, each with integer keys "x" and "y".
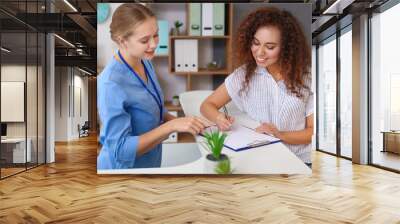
{"x": 224, "y": 167}
{"x": 212, "y": 65}
{"x": 175, "y": 100}
{"x": 177, "y": 24}
{"x": 215, "y": 161}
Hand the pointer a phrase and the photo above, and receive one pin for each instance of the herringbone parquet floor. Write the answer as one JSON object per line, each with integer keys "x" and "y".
{"x": 70, "y": 191}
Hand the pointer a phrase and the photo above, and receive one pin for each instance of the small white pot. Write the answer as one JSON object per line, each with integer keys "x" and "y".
{"x": 175, "y": 101}
{"x": 210, "y": 163}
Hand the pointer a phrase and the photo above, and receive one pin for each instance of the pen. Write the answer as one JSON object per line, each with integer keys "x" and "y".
{"x": 258, "y": 143}
{"x": 225, "y": 112}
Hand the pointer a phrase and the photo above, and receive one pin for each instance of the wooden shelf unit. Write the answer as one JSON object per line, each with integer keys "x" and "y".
{"x": 199, "y": 37}
{"x": 227, "y": 38}
{"x": 185, "y": 138}
{"x": 171, "y": 107}
{"x": 203, "y": 71}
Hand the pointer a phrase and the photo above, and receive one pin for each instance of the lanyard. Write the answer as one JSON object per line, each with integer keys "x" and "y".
{"x": 156, "y": 97}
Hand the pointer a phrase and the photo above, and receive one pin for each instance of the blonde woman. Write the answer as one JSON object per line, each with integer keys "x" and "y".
{"x": 130, "y": 100}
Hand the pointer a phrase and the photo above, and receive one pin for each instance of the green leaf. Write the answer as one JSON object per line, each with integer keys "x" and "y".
{"x": 215, "y": 142}
{"x": 178, "y": 24}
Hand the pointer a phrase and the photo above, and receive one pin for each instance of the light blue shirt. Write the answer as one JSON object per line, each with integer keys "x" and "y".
{"x": 126, "y": 111}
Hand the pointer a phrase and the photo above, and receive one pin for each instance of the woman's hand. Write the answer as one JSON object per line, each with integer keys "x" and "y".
{"x": 193, "y": 125}
{"x": 268, "y": 128}
{"x": 223, "y": 122}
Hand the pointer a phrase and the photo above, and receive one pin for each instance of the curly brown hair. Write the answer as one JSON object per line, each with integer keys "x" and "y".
{"x": 295, "y": 55}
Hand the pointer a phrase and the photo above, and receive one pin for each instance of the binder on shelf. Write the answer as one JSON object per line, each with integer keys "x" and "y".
{"x": 207, "y": 19}
{"x": 195, "y": 19}
{"x": 162, "y": 48}
{"x": 191, "y": 55}
{"x": 186, "y": 55}
{"x": 218, "y": 19}
{"x": 179, "y": 55}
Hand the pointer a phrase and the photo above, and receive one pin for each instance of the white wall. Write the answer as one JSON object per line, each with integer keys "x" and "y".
{"x": 50, "y": 94}
{"x": 67, "y": 114}
{"x": 105, "y": 46}
{"x": 14, "y": 73}
{"x": 33, "y": 126}
{"x": 61, "y": 103}
{"x": 80, "y": 84}
{"x": 12, "y": 101}
{"x": 17, "y": 73}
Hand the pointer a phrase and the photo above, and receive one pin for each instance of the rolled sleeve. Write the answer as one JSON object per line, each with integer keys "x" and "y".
{"x": 165, "y": 110}
{"x": 125, "y": 148}
{"x": 233, "y": 85}
{"x": 116, "y": 135}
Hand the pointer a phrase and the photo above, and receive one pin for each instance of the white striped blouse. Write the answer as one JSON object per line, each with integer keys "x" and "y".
{"x": 269, "y": 101}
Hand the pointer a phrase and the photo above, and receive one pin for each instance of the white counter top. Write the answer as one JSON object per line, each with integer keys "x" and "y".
{"x": 268, "y": 159}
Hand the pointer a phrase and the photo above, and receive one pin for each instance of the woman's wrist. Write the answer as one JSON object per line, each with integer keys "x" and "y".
{"x": 169, "y": 117}
{"x": 280, "y": 135}
{"x": 219, "y": 116}
{"x": 167, "y": 128}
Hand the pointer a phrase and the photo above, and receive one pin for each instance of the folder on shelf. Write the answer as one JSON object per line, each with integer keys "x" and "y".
{"x": 218, "y": 19}
{"x": 207, "y": 19}
{"x": 162, "y": 48}
{"x": 179, "y": 55}
{"x": 195, "y": 19}
{"x": 191, "y": 55}
{"x": 186, "y": 55}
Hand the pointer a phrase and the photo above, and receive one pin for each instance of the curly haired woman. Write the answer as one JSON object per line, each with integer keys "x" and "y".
{"x": 272, "y": 83}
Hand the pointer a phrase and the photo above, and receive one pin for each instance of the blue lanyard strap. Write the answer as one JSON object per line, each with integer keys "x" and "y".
{"x": 156, "y": 97}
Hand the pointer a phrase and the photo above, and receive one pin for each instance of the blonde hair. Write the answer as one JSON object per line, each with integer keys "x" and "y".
{"x": 127, "y": 16}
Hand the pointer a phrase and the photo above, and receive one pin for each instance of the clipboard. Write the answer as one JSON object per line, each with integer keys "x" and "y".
{"x": 253, "y": 145}
{"x": 242, "y": 138}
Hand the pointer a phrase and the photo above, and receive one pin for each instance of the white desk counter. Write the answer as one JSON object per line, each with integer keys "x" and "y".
{"x": 19, "y": 155}
{"x": 268, "y": 159}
